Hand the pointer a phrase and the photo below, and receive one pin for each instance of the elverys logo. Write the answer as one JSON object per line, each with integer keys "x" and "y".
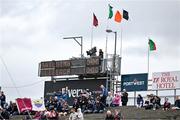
{"x": 38, "y": 103}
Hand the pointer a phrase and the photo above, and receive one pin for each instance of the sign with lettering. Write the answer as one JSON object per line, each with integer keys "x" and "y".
{"x": 73, "y": 87}
{"x": 134, "y": 82}
{"x": 166, "y": 80}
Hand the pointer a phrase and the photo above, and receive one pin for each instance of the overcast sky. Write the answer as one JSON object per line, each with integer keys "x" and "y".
{"x": 32, "y": 31}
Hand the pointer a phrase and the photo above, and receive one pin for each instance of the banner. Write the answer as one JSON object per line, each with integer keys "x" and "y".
{"x": 73, "y": 87}
{"x": 134, "y": 82}
{"x": 166, "y": 80}
{"x": 38, "y": 105}
{"x": 23, "y": 104}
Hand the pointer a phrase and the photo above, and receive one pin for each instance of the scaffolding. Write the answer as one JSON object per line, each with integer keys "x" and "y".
{"x": 112, "y": 66}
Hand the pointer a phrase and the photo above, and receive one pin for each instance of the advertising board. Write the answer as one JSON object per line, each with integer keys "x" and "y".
{"x": 134, "y": 82}
{"x": 166, "y": 80}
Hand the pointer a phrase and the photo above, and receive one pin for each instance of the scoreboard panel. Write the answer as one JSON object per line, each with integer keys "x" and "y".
{"x": 77, "y": 66}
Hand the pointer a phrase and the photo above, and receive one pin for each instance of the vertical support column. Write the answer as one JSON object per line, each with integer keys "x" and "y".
{"x": 134, "y": 98}
{"x": 156, "y": 92}
{"x": 174, "y": 95}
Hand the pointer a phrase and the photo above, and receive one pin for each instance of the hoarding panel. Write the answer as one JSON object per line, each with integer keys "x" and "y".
{"x": 74, "y": 87}
{"x": 166, "y": 80}
{"x": 134, "y": 82}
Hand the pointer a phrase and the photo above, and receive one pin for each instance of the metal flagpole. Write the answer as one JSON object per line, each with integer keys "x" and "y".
{"x": 91, "y": 36}
{"x": 148, "y": 59}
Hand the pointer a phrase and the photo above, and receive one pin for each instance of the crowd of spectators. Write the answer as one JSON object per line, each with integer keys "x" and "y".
{"x": 86, "y": 102}
{"x": 154, "y": 102}
{"x": 7, "y": 110}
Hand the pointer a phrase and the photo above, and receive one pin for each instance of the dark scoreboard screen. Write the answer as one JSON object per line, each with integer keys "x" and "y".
{"x": 76, "y": 66}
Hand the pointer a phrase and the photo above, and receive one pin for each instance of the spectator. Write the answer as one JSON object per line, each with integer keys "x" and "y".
{"x": 12, "y": 108}
{"x": 109, "y": 115}
{"x": 73, "y": 115}
{"x": 58, "y": 94}
{"x": 109, "y": 99}
{"x": 124, "y": 98}
{"x": 148, "y": 104}
{"x": 167, "y": 104}
{"x": 99, "y": 108}
{"x": 89, "y": 107}
{"x": 4, "y": 115}
{"x": 65, "y": 109}
{"x": 76, "y": 104}
{"x": 156, "y": 102}
{"x": 2, "y": 99}
{"x": 79, "y": 114}
{"x": 177, "y": 103}
{"x": 117, "y": 115}
{"x": 116, "y": 100}
{"x": 65, "y": 95}
{"x": 140, "y": 101}
{"x": 104, "y": 94}
{"x": 53, "y": 115}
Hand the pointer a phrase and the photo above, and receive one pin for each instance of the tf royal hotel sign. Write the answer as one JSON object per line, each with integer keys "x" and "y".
{"x": 166, "y": 80}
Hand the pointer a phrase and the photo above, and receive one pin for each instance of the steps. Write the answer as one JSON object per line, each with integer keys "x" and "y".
{"x": 131, "y": 113}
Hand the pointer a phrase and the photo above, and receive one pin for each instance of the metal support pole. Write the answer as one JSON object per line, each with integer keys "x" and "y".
{"x": 134, "y": 98}
{"x": 79, "y": 43}
{"x": 114, "y": 58}
{"x": 174, "y": 95}
{"x": 156, "y": 92}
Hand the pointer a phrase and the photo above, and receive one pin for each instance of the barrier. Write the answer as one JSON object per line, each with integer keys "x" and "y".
{"x": 169, "y": 93}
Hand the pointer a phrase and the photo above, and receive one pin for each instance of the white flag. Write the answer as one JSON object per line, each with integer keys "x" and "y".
{"x": 38, "y": 105}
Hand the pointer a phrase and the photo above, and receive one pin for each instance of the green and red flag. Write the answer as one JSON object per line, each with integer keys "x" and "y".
{"x": 152, "y": 45}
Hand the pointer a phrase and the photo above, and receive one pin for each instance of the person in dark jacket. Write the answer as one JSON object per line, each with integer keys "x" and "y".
{"x": 4, "y": 114}
{"x": 124, "y": 98}
{"x": 2, "y": 99}
{"x": 76, "y": 104}
{"x": 167, "y": 104}
{"x": 89, "y": 107}
{"x": 140, "y": 101}
{"x": 177, "y": 103}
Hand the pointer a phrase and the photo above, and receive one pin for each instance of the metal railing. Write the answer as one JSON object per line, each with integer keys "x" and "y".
{"x": 173, "y": 93}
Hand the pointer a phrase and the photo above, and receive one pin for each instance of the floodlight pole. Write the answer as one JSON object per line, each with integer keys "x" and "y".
{"x": 115, "y": 44}
{"x": 114, "y": 57}
{"x": 79, "y": 43}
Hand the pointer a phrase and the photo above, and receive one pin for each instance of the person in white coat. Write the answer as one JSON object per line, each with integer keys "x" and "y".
{"x": 79, "y": 114}
{"x": 73, "y": 115}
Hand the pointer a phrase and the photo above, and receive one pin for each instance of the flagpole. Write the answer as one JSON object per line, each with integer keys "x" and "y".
{"x": 148, "y": 59}
{"x": 121, "y": 41}
{"x": 91, "y": 36}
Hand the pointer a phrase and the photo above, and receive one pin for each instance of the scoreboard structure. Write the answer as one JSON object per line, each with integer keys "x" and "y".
{"x": 75, "y": 66}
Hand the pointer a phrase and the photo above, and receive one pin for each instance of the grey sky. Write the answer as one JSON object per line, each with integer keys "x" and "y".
{"x": 32, "y": 30}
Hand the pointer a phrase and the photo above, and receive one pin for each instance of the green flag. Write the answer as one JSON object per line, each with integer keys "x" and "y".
{"x": 152, "y": 45}
{"x": 110, "y": 12}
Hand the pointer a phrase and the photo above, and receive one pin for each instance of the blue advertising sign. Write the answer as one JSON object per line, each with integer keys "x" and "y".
{"x": 134, "y": 82}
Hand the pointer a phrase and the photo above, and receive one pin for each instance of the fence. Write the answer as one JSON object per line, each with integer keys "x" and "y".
{"x": 169, "y": 93}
